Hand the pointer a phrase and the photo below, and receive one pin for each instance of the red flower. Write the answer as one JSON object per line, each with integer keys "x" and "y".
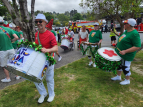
{"x": 110, "y": 53}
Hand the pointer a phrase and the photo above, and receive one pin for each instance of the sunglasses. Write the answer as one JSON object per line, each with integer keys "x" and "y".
{"x": 40, "y": 21}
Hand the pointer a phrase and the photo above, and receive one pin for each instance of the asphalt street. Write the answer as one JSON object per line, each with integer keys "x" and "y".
{"x": 67, "y": 57}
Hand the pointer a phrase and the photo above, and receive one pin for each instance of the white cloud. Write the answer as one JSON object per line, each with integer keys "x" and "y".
{"x": 59, "y": 6}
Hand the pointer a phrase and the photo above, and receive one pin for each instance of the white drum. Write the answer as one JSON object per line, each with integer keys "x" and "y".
{"x": 28, "y": 64}
{"x": 109, "y": 54}
{"x": 65, "y": 43}
{"x": 107, "y": 59}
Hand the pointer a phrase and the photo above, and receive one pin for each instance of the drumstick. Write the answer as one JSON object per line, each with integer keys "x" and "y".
{"x": 118, "y": 49}
{"x": 93, "y": 43}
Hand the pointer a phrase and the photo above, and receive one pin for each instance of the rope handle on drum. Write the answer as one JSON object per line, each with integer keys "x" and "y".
{"x": 89, "y": 43}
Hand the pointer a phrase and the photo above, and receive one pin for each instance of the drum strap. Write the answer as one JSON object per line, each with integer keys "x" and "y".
{"x": 52, "y": 54}
{"x": 5, "y": 32}
{"x": 38, "y": 38}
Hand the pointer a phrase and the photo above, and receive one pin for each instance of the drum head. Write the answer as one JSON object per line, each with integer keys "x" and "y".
{"x": 109, "y": 54}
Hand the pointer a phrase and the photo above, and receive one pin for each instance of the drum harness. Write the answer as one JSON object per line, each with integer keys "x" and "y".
{"x": 89, "y": 47}
{"x": 39, "y": 44}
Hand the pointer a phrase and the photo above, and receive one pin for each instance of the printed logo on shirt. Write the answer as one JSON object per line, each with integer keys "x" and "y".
{"x": 122, "y": 37}
{"x": 93, "y": 34}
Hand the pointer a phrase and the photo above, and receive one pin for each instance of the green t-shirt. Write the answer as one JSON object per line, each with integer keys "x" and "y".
{"x": 5, "y": 41}
{"x": 21, "y": 33}
{"x": 126, "y": 41}
{"x": 95, "y": 36}
{"x": 53, "y": 32}
{"x": 16, "y": 42}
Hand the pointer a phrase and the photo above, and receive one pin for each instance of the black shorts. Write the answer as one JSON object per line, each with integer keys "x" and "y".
{"x": 113, "y": 38}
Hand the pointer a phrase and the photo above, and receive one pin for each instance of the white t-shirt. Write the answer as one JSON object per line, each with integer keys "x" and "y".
{"x": 71, "y": 33}
{"x": 83, "y": 34}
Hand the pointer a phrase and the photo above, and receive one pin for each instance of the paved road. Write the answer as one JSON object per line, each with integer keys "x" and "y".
{"x": 68, "y": 57}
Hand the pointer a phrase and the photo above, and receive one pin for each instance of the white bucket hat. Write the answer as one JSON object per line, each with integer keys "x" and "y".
{"x": 1, "y": 20}
{"x": 41, "y": 16}
{"x": 96, "y": 23}
{"x": 131, "y": 21}
{"x": 10, "y": 25}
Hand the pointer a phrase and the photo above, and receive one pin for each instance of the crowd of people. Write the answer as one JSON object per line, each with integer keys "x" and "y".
{"x": 126, "y": 46}
{"x": 128, "y": 43}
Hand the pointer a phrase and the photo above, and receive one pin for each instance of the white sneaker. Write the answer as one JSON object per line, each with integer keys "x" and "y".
{"x": 125, "y": 82}
{"x": 17, "y": 77}
{"x": 94, "y": 65}
{"x": 90, "y": 63}
{"x": 60, "y": 58}
{"x": 116, "y": 78}
{"x": 41, "y": 99}
{"x": 50, "y": 99}
{"x": 6, "y": 80}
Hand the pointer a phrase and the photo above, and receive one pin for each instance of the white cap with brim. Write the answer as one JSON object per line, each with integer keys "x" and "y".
{"x": 96, "y": 24}
{"x": 131, "y": 21}
{"x": 1, "y": 20}
{"x": 13, "y": 25}
{"x": 10, "y": 25}
{"x": 41, "y": 16}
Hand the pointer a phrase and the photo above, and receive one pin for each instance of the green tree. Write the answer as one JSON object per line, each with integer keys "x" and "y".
{"x": 38, "y": 11}
{"x": 3, "y": 9}
{"x": 77, "y": 16}
{"x": 18, "y": 10}
{"x": 67, "y": 13}
{"x": 57, "y": 23}
{"x": 49, "y": 16}
{"x": 63, "y": 19}
{"x": 114, "y": 8}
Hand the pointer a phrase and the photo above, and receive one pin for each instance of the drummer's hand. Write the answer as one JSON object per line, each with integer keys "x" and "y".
{"x": 123, "y": 52}
{"x": 44, "y": 50}
{"x": 98, "y": 44}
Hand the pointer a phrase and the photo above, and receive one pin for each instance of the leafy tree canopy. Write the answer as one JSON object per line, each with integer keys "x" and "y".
{"x": 49, "y": 16}
{"x": 114, "y": 9}
{"x": 77, "y": 16}
{"x": 3, "y": 9}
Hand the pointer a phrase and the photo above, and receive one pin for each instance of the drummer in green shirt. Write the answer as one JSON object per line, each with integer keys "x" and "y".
{"x": 18, "y": 29}
{"x": 14, "y": 44}
{"x": 6, "y": 48}
{"x": 127, "y": 45}
{"x": 95, "y": 36}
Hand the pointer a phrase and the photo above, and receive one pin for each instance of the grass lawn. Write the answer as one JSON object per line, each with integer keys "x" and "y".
{"x": 78, "y": 85}
{"x": 59, "y": 44}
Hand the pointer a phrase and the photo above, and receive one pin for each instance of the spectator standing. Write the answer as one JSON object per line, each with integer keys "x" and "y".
{"x": 106, "y": 28}
{"x": 83, "y": 35}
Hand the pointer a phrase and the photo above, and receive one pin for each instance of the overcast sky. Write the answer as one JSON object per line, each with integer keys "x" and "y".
{"x": 59, "y": 6}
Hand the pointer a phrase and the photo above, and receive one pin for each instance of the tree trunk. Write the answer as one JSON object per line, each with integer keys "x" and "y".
{"x": 121, "y": 23}
{"x": 22, "y": 18}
